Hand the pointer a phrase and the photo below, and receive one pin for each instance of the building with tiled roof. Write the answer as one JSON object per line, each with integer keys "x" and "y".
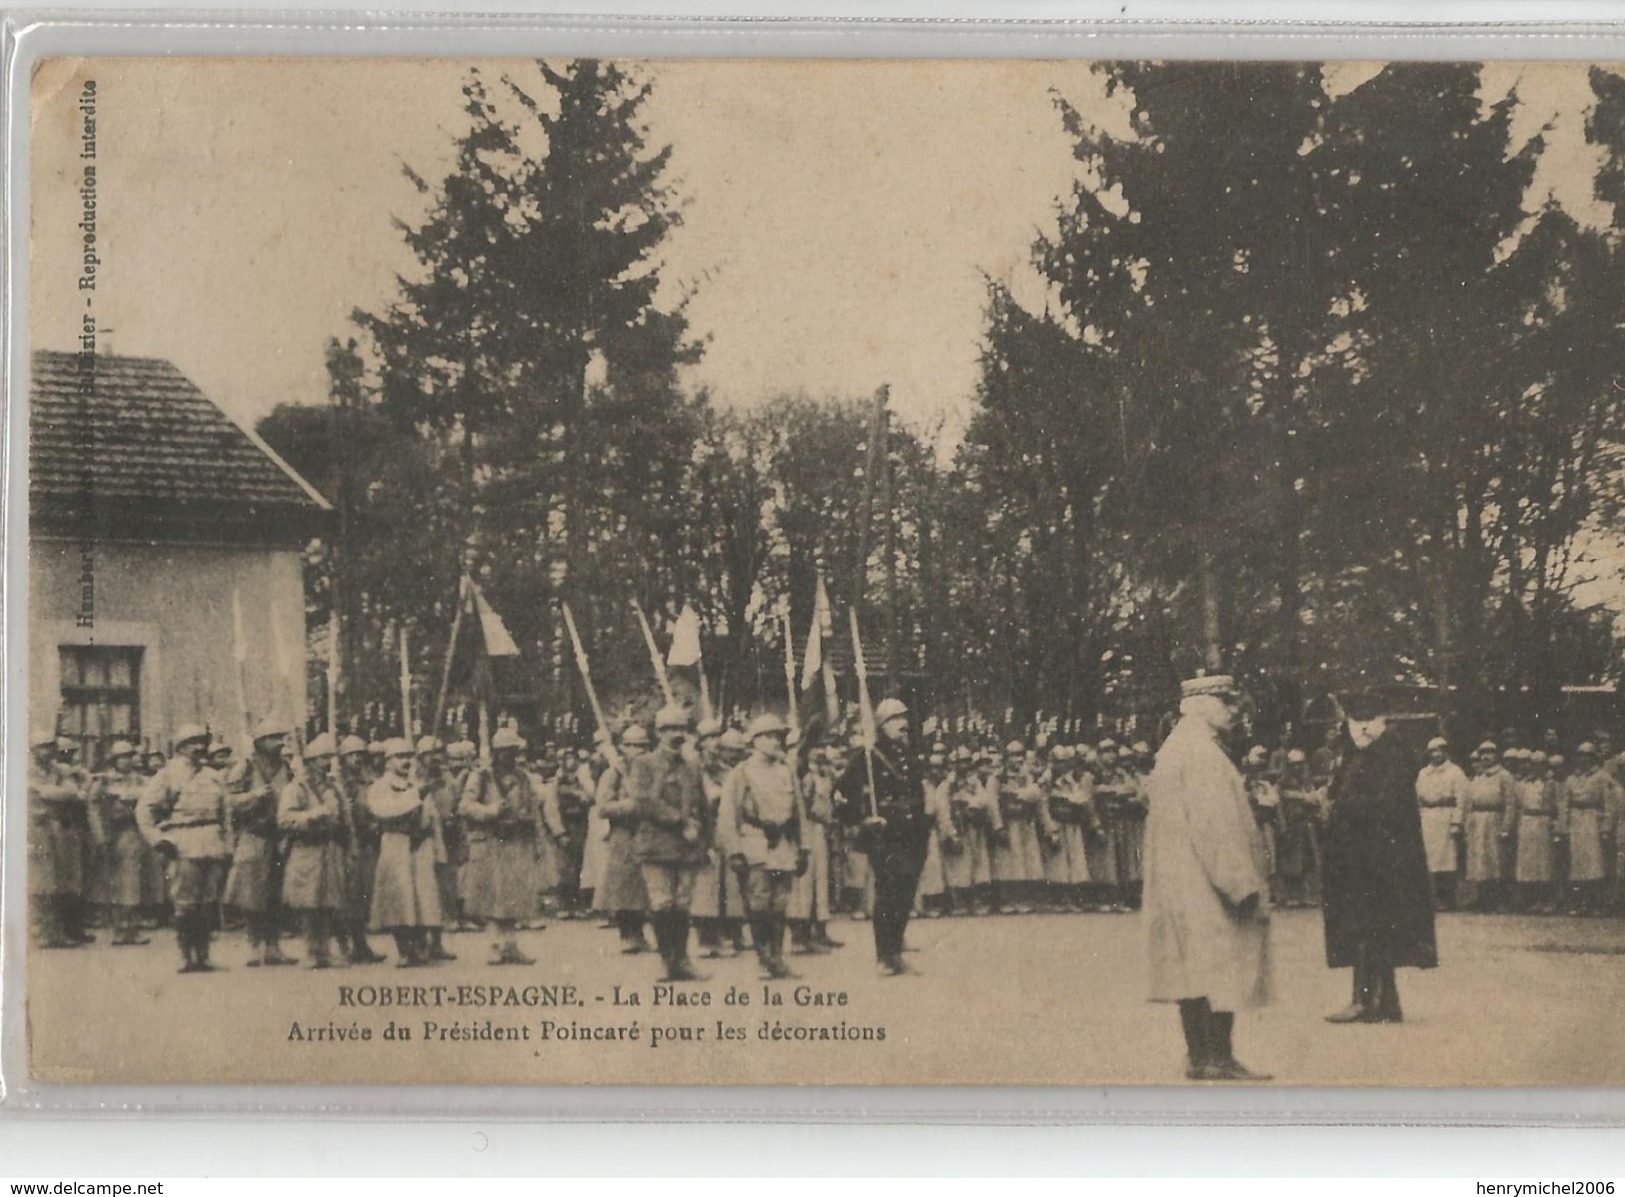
{"x": 166, "y": 557}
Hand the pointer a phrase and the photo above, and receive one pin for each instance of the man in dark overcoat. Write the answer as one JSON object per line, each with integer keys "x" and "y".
{"x": 1377, "y": 893}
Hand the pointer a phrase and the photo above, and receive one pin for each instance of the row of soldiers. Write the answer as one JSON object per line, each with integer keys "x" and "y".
{"x": 300, "y": 837}
{"x": 1526, "y": 829}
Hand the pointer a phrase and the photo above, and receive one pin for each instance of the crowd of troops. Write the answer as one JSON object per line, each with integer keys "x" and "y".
{"x": 741, "y": 839}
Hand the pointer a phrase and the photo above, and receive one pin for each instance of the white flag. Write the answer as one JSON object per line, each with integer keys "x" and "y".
{"x": 685, "y": 639}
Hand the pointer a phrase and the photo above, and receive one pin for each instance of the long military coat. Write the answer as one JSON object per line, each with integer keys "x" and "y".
{"x": 1203, "y": 856}
{"x": 1378, "y": 894}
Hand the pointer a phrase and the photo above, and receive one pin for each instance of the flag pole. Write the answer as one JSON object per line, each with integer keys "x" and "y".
{"x": 705, "y": 689}
{"x": 592, "y": 692}
{"x": 865, "y": 711}
{"x": 451, "y": 652}
{"x": 794, "y": 716}
{"x": 655, "y": 658}
{"x": 406, "y": 683}
{"x": 239, "y": 655}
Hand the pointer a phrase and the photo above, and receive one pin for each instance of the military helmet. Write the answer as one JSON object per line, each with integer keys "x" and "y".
{"x": 672, "y": 717}
{"x": 767, "y": 724}
{"x": 428, "y": 744}
{"x": 270, "y": 728}
{"x": 352, "y": 745}
{"x": 189, "y": 732}
{"x": 322, "y": 746}
{"x": 461, "y": 750}
{"x": 120, "y": 748}
{"x": 889, "y": 709}
{"x": 507, "y": 739}
{"x": 635, "y": 735}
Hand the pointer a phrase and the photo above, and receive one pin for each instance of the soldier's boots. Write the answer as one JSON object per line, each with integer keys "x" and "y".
{"x": 437, "y": 946}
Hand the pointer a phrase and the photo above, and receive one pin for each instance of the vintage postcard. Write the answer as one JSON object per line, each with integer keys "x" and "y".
{"x": 824, "y": 572}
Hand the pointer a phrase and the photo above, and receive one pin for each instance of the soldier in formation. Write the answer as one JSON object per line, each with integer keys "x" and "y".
{"x": 405, "y": 891}
{"x": 760, "y": 827}
{"x": 183, "y": 813}
{"x": 254, "y": 884}
{"x": 310, "y": 815}
{"x": 673, "y": 836}
{"x": 504, "y": 817}
{"x": 133, "y": 877}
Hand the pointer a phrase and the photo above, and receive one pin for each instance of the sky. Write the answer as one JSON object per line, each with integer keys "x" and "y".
{"x": 842, "y": 215}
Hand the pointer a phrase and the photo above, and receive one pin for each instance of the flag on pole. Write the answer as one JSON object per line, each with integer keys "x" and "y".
{"x": 685, "y": 639}
{"x": 812, "y": 661}
{"x": 687, "y": 653}
{"x": 478, "y": 635}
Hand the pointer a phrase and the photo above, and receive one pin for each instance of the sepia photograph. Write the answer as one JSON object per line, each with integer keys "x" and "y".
{"x": 824, "y": 572}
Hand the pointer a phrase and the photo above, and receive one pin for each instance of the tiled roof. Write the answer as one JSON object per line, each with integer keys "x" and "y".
{"x": 143, "y": 431}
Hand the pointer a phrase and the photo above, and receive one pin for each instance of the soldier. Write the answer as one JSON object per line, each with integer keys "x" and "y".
{"x": 1100, "y": 840}
{"x": 574, "y": 804}
{"x": 254, "y": 884}
{"x": 461, "y": 756}
{"x": 673, "y": 836}
{"x": 1265, "y": 801}
{"x": 1587, "y": 802}
{"x": 54, "y": 867}
{"x": 1018, "y": 861}
{"x": 1297, "y": 844}
{"x": 1378, "y": 900}
{"x": 1491, "y": 805}
{"x": 1056, "y": 891}
{"x": 1072, "y": 803}
{"x": 1206, "y": 897}
{"x": 893, "y": 830}
{"x": 360, "y": 841}
{"x": 1534, "y": 869}
{"x": 1131, "y": 852}
{"x": 761, "y": 809}
{"x": 621, "y": 892}
{"x": 973, "y": 817}
{"x": 590, "y": 774}
{"x": 405, "y": 892}
{"x": 183, "y": 815}
{"x": 129, "y": 860}
{"x": 552, "y": 846}
{"x": 709, "y": 899}
{"x": 434, "y": 782}
{"x": 502, "y": 812}
{"x": 1441, "y": 793}
{"x": 310, "y": 813}
{"x": 932, "y": 899}
{"x": 1116, "y": 794}
{"x": 809, "y": 909}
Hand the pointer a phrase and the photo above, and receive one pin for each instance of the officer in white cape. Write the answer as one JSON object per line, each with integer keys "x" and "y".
{"x": 1207, "y": 904}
